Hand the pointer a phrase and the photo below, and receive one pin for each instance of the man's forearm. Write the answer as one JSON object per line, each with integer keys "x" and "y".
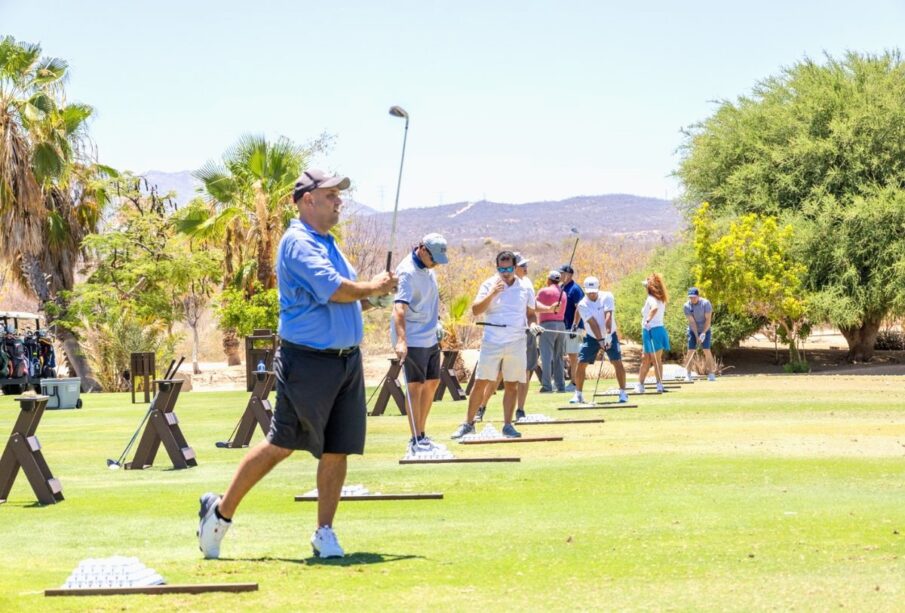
{"x": 352, "y": 291}
{"x": 595, "y": 329}
{"x": 693, "y": 325}
{"x": 479, "y": 306}
{"x": 399, "y": 323}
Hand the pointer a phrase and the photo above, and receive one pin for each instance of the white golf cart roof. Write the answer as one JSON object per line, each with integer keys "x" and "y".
{"x": 18, "y": 315}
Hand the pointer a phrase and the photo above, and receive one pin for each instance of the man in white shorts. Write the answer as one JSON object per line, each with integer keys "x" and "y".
{"x": 506, "y": 306}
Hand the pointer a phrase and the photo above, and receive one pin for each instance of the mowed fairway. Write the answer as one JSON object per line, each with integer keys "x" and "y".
{"x": 747, "y": 493}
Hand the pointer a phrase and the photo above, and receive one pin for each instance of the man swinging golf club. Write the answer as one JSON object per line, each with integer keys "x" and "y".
{"x": 598, "y": 312}
{"x": 699, "y": 312}
{"x": 415, "y": 330}
{"x": 320, "y": 404}
{"x": 505, "y": 305}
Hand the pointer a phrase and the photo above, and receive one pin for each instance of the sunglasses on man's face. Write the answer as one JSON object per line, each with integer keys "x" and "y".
{"x": 505, "y": 268}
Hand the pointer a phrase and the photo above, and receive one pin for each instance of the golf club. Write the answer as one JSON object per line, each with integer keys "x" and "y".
{"x": 397, "y": 111}
{"x": 117, "y": 464}
{"x": 656, "y": 361}
{"x": 543, "y": 331}
{"x": 574, "y": 231}
{"x": 408, "y": 399}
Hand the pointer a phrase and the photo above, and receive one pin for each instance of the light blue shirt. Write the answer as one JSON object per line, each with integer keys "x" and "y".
{"x": 310, "y": 268}
{"x": 418, "y": 289}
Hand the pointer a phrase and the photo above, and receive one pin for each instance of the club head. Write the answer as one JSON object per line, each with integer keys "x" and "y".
{"x": 573, "y": 230}
{"x": 222, "y": 445}
{"x": 398, "y": 111}
{"x": 113, "y": 465}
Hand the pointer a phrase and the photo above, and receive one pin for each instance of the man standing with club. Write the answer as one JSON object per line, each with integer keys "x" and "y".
{"x": 415, "y": 331}
{"x": 699, "y": 313}
{"x": 505, "y": 304}
{"x": 320, "y": 404}
{"x": 571, "y": 296}
{"x": 598, "y": 313}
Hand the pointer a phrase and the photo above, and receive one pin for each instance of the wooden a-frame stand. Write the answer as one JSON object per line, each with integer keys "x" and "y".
{"x": 163, "y": 427}
{"x": 390, "y": 389}
{"x": 24, "y": 451}
{"x": 258, "y": 412}
{"x": 448, "y": 380}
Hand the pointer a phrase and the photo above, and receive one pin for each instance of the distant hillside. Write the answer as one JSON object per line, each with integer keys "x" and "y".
{"x": 537, "y": 222}
{"x": 182, "y": 183}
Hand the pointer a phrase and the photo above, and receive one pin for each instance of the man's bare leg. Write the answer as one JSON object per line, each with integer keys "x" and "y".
{"x": 580, "y": 374}
{"x": 510, "y": 393}
{"x": 620, "y": 372}
{"x": 523, "y": 391}
{"x": 475, "y": 398}
{"x": 573, "y": 365}
{"x": 427, "y": 400}
{"x": 331, "y": 474}
{"x": 709, "y": 362}
{"x": 259, "y": 461}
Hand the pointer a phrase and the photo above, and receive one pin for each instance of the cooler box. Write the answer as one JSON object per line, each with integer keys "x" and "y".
{"x": 62, "y": 393}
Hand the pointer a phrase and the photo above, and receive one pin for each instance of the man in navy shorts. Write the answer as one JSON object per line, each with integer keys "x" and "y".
{"x": 598, "y": 312}
{"x": 699, "y": 313}
{"x": 320, "y": 406}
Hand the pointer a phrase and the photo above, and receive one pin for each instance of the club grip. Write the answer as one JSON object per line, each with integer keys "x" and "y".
{"x": 389, "y": 260}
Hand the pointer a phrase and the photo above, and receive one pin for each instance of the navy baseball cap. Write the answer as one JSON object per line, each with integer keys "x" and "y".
{"x": 316, "y": 179}
{"x": 567, "y": 268}
{"x": 693, "y": 291}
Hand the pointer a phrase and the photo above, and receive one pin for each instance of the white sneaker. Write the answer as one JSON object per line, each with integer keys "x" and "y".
{"x": 639, "y": 388}
{"x": 623, "y": 397}
{"x": 324, "y": 543}
{"x": 576, "y": 399}
{"x": 688, "y": 378}
{"x": 711, "y": 377}
{"x": 211, "y": 529}
{"x": 660, "y": 389}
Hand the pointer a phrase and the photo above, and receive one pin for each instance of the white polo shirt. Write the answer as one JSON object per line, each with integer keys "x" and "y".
{"x": 649, "y": 305}
{"x": 532, "y": 300}
{"x": 418, "y": 289}
{"x": 509, "y": 307}
{"x": 596, "y": 309}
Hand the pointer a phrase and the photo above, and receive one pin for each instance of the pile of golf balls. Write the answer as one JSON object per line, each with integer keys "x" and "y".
{"x": 116, "y": 571}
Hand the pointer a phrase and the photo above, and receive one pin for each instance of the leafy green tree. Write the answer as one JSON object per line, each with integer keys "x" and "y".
{"x": 750, "y": 269}
{"x": 820, "y": 146}
{"x": 246, "y": 208}
{"x": 51, "y": 192}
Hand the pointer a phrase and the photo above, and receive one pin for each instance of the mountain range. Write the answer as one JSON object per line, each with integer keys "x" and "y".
{"x": 471, "y": 223}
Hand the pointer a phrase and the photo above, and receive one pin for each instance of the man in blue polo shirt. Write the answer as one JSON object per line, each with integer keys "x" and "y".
{"x": 699, "y": 312}
{"x": 320, "y": 403}
{"x": 571, "y": 296}
{"x": 415, "y": 331}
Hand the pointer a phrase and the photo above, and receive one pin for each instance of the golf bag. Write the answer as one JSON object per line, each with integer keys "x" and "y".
{"x": 31, "y": 349}
{"x": 48, "y": 357}
{"x": 15, "y": 349}
{"x": 5, "y": 363}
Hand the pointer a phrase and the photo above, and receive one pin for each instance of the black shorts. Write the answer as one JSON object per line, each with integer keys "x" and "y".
{"x": 422, "y": 364}
{"x": 320, "y": 404}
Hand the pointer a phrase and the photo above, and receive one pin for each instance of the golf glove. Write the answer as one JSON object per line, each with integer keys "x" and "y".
{"x": 441, "y": 332}
{"x": 381, "y": 302}
{"x": 572, "y": 331}
{"x": 535, "y": 329}
{"x": 702, "y": 337}
{"x": 607, "y": 341}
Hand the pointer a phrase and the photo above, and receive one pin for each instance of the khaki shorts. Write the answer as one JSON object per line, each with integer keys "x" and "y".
{"x": 508, "y": 358}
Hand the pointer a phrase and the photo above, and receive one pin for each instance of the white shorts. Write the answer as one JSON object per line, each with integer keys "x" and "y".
{"x": 509, "y": 358}
{"x": 573, "y": 345}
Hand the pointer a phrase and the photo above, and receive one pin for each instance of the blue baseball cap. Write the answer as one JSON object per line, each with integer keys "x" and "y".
{"x": 436, "y": 244}
{"x": 693, "y": 291}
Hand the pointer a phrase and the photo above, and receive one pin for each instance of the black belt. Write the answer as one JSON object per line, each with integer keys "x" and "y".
{"x": 337, "y": 352}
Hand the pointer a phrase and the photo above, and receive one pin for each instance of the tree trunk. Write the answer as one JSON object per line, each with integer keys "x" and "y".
{"x": 32, "y": 271}
{"x": 195, "y": 368}
{"x": 231, "y": 347}
{"x": 861, "y": 339}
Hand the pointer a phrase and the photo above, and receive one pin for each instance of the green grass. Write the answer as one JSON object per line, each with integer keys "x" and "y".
{"x": 747, "y": 493}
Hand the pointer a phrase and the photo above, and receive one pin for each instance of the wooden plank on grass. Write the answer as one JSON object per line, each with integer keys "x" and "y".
{"x": 459, "y": 460}
{"x": 199, "y": 588}
{"x": 597, "y": 406}
{"x": 497, "y": 441}
{"x": 365, "y": 497}
{"x": 561, "y": 421}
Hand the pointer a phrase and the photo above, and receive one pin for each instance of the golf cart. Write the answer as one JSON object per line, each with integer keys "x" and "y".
{"x": 26, "y": 353}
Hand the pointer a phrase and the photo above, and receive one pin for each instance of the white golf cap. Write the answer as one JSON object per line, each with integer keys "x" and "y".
{"x": 520, "y": 260}
{"x": 591, "y": 285}
{"x": 554, "y": 275}
{"x": 436, "y": 245}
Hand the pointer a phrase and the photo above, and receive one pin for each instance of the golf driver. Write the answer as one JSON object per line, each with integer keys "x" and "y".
{"x": 118, "y": 463}
{"x": 542, "y": 331}
{"x": 397, "y": 111}
{"x": 574, "y": 231}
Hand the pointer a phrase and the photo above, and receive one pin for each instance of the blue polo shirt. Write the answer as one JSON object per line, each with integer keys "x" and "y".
{"x": 573, "y": 295}
{"x": 310, "y": 268}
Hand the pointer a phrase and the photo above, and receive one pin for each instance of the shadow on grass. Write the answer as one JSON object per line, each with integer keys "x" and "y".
{"x": 352, "y": 559}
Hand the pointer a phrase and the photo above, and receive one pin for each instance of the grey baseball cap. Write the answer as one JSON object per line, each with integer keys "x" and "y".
{"x": 436, "y": 244}
{"x": 554, "y": 275}
{"x": 313, "y": 179}
{"x": 521, "y": 260}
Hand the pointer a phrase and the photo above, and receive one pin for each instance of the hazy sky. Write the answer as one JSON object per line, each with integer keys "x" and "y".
{"x": 510, "y": 100}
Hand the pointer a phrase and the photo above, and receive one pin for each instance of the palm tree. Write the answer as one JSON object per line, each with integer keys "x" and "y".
{"x": 51, "y": 193}
{"x": 248, "y": 204}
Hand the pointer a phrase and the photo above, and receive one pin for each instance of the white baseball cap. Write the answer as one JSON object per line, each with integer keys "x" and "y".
{"x": 591, "y": 285}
